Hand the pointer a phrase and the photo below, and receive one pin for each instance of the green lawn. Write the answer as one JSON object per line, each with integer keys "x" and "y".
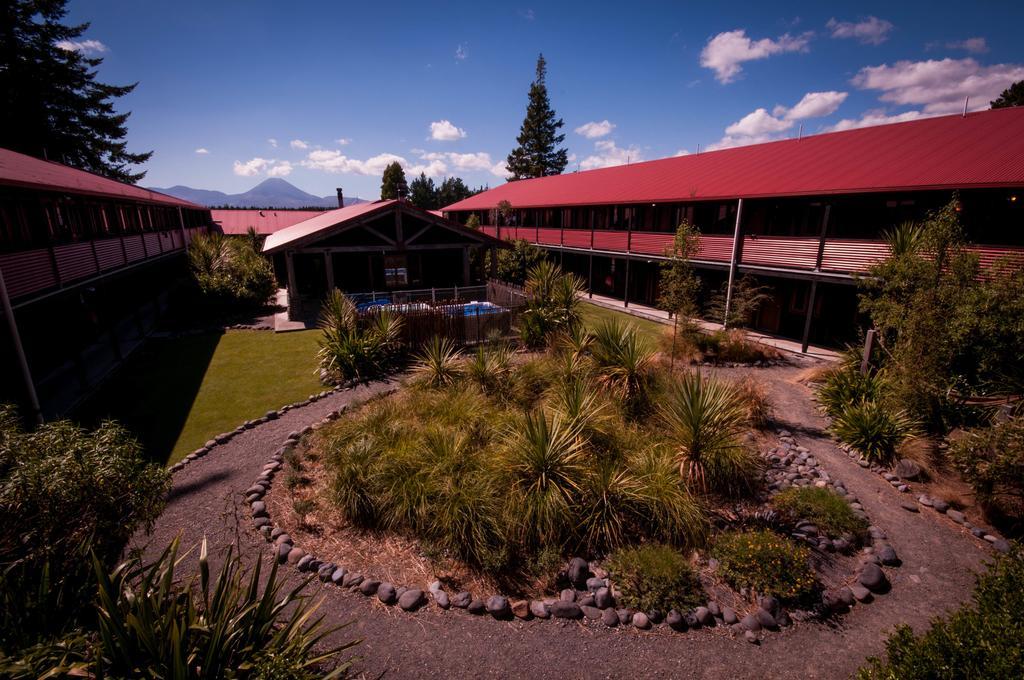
{"x": 595, "y": 314}
{"x": 175, "y": 394}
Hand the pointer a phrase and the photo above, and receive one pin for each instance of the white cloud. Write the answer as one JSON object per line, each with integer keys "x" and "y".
{"x": 333, "y": 161}
{"x": 870, "y": 31}
{"x": 595, "y": 129}
{"x": 252, "y": 167}
{"x": 435, "y": 168}
{"x": 461, "y": 52}
{"x": 973, "y": 45}
{"x": 272, "y": 142}
{"x": 342, "y": 141}
{"x": 682, "y": 152}
{"x": 86, "y": 47}
{"x": 876, "y": 117}
{"x": 938, "y": 85}
{"x": 298, "y": 144}
{"x": 445, "y": 131}
{"x": 725, "y": 52}
{"x": 760, "y": 126}
{"x": 282, "y": 169}
{"x": 608, "y": 154}
{"x": 500, "y": 169}
{"x": 202, "y": 151}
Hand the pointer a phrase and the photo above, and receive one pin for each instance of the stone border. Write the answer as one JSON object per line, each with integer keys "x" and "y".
{"x": 592, "y": 596}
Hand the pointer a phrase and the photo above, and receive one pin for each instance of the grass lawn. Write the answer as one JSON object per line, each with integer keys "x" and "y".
{"x": 595, "y": 314}
{"x": 175, "y": 394}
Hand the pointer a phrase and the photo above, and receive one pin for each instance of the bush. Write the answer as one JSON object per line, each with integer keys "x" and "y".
{"x": 553, "y": 304}
{"x": 705, "y": 419}
{"x": 980, "y": 640}
{"x": 991, "y": 460}
{"x": 873, "y": 430}
{"x": 655, "y": 577}
{"x": 231, "y": 270}
{"x": 515, "y": 263}
{"x": 65, "y": 493}
{"x": 354, "y": 347}
{"x": 823, "y": 508}
{"x": 733, "y": 346}
{"x": 624, "y": 362}
{"x": 439, "y": 364}
{"x": 846, "y": 386}
{"x": 756, "y": 402}
{"x": 766, "y": 563}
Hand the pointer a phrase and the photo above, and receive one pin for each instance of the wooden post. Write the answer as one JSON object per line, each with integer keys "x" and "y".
{"x": 465, "y": 265}
{"x": 625, "y": 292}
{"x": 293, "y": 290}
{"x": 869, "y": 345}
{"x": 810, "y": 313}
{"x": 329, "y": 269}
{"x": 734, "y": 260}
{"x": 590, "y": 275}
{"x": 19, "y": 350}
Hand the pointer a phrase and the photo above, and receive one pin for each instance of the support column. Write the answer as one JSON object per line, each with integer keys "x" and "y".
{"x": 465, "y": 266}
{"x": 810, "y": 313}
{"x": 590, "y": 277}
{"x": 737, "y": 241}
{"x": 625, "y": 293}
{"x": 19, "y": 351}
{"x": 493, "y": 262}
{"x": 293, "y": 290}
{"x": 329, "y": 269}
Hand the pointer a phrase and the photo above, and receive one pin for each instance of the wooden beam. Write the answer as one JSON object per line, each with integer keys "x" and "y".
{"x": 379, "y": 235}
{"x": 329, "y": 270}
{"x": 737, "y": 240}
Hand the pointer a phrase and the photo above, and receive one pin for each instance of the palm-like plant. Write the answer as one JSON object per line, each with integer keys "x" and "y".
{"x": 545, "y": 464}
{"x": 705, "y": 419}
{"x": 351, "y": 351}
{"x": 579, "y": 404}
{"x": 904, "y": 239}
{"x": 439, "y": 364}
{"x": 873, "y": 430}
{"x": 624, "y": 361}
{"x": 490, "y": 367}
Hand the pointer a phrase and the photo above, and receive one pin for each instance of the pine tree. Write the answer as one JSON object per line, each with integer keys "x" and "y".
{"x": 393, "y": 184}
{"x": 422, "y": 193}
{"x": 51, "y": 105}
{"x": 1011, "y": 96}
{"x": 452, "y": 190}
{"x": 537, "y": 154}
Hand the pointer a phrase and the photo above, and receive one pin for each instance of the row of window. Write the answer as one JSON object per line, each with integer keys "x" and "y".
{"x": 35, "y": 219}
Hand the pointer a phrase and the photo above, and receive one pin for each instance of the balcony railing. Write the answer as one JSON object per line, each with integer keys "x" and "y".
{"x": 35, "y": 271}
{"x": 799, "y": 253}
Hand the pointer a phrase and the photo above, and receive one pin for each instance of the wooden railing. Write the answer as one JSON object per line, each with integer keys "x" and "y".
{"x": 801, "y": 253}
{"x": 36, "y": 271}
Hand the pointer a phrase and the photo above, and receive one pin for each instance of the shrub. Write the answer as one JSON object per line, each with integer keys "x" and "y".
{"x": 357, "y": 349}
{"x": 873, "y": 430}
{"x": 980, "y": 640}
{"x": 756, "y": 402}
{"x": 991, "y": 460}
{"x": 705, "y": 418}
{"x": 733, "y": 346}
{"x": 515, "y": 263}
{"x": 624, "y": 361}
{"x": 766, "y": 563}
{"x": 655, "y": 577}
{"x": 825, "y": 509}
{"x": 553, "y": 304}
{"x": 231, "y": 270}
{"x": 65, "y": 492}
{"x": 490, "y": 367}
{"x": 747, "y": 297}
{"x": 439, "y": 364}
{"x": 846, "y": 386}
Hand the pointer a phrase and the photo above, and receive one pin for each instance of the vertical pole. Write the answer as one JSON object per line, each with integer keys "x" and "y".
{"x": 734, "y": 260}
{"x": 590, "y": 276}
{"x": 181, "y": 222}
{"x": 810, "y": 313}
{"x": 625, "y": 292}
{"x": 329, "y": 269}
{"x": 26, "y": 373}
{"x": 293, "y": 290}
{"x": 869, "y": 345}
{"x": 465, "y": 265}
{"x": 821, "y": 239}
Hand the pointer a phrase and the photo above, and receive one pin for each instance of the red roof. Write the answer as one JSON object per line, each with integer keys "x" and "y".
{"x": 19, "y": 170}
{"x": 238, "y": 221}
{"x": 982, "y": 149}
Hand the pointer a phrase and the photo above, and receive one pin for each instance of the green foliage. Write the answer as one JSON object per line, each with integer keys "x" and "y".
{"x": 439, "y": 364}
{"x": 452, "y": 190}
{"x": 765, "y": 562}
{"x": 624, "y": 362}
{"x": 355, "y": 348}
{"x": 991, "y": 460}
{"x": 678, "y": 285}
{"x": 847, "y": 386}
{"x": 1011, "y": 96}
{"x": 553, "y": 306}
{"x": 490, "y": 367}
{"x": 65, "y": 492}
{"x": 230, "y": 270}
{"x": 756, "y": 402}
{"x": 906, "y": 239}
{"x": 393, "y": 183}
{"x": 705, "y": 419}
{"x": 515, "y": 263}
{"x": 53, "y": 106}
{"x": 747, "y": 297}
{"x": 655, "y": 576}
{"x": 979, "y": 640}
{"x": 873, "y": 429}
{"x": 823, "y": 508}
{"x": 473, "y": 221}
{"x": 537, "y": 153}
{"x": 423, "y": 193}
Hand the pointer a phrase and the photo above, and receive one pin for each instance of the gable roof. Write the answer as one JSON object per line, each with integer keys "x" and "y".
{"x": 982, "y": 149}
{"x": 17, "y": 169}
{"x": 324, "y": 223}
{"x": 238, "y": 220}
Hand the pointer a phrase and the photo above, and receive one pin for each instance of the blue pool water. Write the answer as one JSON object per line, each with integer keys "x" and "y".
{"x": 468, "y": 309}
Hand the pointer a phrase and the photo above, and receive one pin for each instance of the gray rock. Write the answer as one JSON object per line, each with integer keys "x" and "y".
{"x": 907, "y": 469}
{"x": 751, "y": 637}
{"x": 603, "y": 598}
{"x": 386, "y": 593}
{"x": 295, "y": 554}
{"x": 714, "y": 609}
{"x": 578, "y": 571}
{"x": 498, "y": 607}
{"x": 655, "y": 616}
{"x": 593, "y": 583}
{"x": 442, "y": 599}
{"x": 369, "y": 587}
{"x": 567, "y": 595}
{"x": 860, "y": 593}
{"x": 751, "y": 622}
{"x": 303, "y": 564}
{"x": 704, "y": 616}
{"x": 462, "y": 600}
{"x": 940, "y": 505}
{"x": 520, "y": 609}
{"x": 846, "y": 596}
{"x": 909, "y": 507}
{"x": 259, "y": 508}
{"x": 956, "y": 516}
{"x": 324, "y": 571}
{"x": 477, "y": 607}
{"x": 887, "y": 556}
{"x": 586, "y": 601}
{"x": 282, "y": 552}
{"x": 624, "y": 615}
{"x": 691, "y": 620}
{"x": 729, "y": 616}
{"x": 261, "y": 522}
{"x": 351, "y": 580}
{"x": 924, "y": 500}
{"x": 872, "y": 577}
{"x": 765, "y": 619}
{"x": 338, "y": 575}
{"x": 1002, "y": 545}
{"x": 563, "y": 609}
{"x": 411, "y": 600}
{"x": 675, "y": 621}
{"x": 641, "y": 621}
{"x": 538, "y": 609}
{"x": 769, "y": 604}
{"x": 434, "y": 587}
{"x": 609, "y": 618}
{"x": 592, "y": 613}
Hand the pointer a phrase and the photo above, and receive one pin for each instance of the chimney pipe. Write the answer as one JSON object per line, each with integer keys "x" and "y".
{"x": 341, "y": 198}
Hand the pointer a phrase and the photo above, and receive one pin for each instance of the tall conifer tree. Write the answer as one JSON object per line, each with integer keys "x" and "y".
{"x": 423, "y": 193}
{"x": 393, "y": 182}
{"x": 51, "y": 105}
{"x": 537, "y": 154}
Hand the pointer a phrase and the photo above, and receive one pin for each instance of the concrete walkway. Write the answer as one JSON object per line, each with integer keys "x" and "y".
{"x": 662, "y": 316}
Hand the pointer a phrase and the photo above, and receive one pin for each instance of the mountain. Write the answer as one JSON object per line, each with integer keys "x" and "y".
{"x": 270, "y": 193}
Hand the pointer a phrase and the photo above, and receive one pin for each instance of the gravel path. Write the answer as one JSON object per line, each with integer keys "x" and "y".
{"x": 939, "y": 562}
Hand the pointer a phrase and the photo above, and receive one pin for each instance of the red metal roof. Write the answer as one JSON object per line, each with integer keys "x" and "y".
{"x": 238, "y": 221}
{"x": 982, "y": 149}
{"x": 19, "y": 170}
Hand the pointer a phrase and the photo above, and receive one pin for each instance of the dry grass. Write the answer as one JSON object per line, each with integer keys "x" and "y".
{"x": 756, "y": 402}
{"x": 922, "y": 451}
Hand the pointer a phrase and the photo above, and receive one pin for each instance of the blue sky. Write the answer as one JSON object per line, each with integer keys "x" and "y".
{"x": 326, "y": 93}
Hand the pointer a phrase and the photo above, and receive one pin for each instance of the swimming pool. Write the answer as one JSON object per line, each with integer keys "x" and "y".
{"x": 472, "y": 308}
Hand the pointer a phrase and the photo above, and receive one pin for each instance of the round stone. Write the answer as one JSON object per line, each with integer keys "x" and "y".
{"x": 351, "y": 580}
{"x": 578, "y": 571}
{"x": 729, "y": 616}
{"x": 567, "y": 595}
{"x": 462, "y": 600}
{"x": 887, "y": 556}
{"x": 498, "y": 607}
{"x": 411, "y": 600}
{"x": 477, "y": 607}
{"x": 303, "y": 564}
{"x": 338, "y": 575}
{"x": 872, "y": 577}
{"x": 369, "y": 587}
{"x": 538, "y": 609}
{"x": 704, "y": 616}
{"x": 603, "y": 598}
{"x": 386, "y": 593}
{"x": 609, "y": 618}
{"x": 765, "y": 619}
{"x": 675, "y": 620}
{"x": 562, "y": 609}
{"x": 520, "y": 609}
{"x": 751, "y": 622}
{"x": 295, "y": 554}
{"x": 641, "y": 621}
{"x": 442, "y": 599}
{"x": 624, "y": 615}
{"x": 592, "y": 613}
